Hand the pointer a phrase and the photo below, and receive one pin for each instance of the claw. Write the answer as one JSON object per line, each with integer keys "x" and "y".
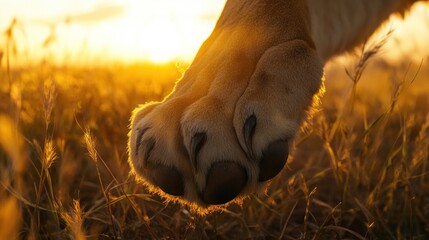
{"x": 248, "y": 131}
{"x": 145, "y": 148}
{"x": 197, "y": 143}
{"x": 140, "y": 134}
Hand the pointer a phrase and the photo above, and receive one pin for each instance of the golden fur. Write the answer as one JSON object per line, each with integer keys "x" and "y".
{"x": 264, "y": 58}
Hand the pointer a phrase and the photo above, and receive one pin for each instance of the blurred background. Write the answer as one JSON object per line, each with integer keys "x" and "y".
{"x": 96, "y": 31}
{"x": 71, "y": 73}
{"x": 83, "y": 30}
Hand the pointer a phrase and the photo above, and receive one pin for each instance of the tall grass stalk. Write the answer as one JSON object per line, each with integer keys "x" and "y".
{"x": 90, "y": 145}
{"x": 74, "y": 221}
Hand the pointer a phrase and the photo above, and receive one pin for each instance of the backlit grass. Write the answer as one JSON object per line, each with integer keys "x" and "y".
{"x": 359, "y": 170}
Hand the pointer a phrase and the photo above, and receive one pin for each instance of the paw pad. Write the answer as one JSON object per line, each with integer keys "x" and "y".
{"x": 225, "y": 181}
{"x": 273, "y": 160}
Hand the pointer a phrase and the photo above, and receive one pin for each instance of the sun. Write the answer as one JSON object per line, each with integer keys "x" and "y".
{"x": 125, "y": 31}
{"x": 163, "y": 44}
{"x": 137, "y": 31}
{"x": 160, "y": 32}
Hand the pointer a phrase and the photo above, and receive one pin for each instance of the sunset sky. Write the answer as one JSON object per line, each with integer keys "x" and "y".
{"x": 139, "y": 30}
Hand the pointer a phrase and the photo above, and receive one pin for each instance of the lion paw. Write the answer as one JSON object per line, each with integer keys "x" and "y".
{"x": 227, "y": 128}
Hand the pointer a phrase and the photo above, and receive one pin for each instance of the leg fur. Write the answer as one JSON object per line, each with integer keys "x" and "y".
{"x": 340, "y": 25}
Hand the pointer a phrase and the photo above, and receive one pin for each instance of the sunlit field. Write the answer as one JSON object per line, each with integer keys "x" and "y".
{"x": 358, "y": 170}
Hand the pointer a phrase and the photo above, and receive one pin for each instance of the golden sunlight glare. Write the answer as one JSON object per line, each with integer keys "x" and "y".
{"x": 100, "y": 31}
{"x": 162, "y": 48}
{"x": 97, "y": 32}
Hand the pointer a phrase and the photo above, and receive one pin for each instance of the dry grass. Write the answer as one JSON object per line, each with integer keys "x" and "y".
{"x": 360, "y": 171}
